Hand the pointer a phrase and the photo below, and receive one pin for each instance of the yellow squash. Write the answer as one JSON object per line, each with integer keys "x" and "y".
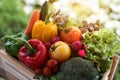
{"x": 44, "y": 32}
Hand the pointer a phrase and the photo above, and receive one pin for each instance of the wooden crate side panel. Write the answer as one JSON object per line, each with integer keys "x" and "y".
{"x": 16, "y": 68}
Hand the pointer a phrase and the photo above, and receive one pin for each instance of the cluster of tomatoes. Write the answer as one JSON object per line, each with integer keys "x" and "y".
{"x": 50, "y": 67}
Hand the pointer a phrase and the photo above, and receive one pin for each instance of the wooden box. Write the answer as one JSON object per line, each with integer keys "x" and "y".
{"x": 12, "y": 69}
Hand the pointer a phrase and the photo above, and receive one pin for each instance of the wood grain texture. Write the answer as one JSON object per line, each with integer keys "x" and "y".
{"x": 15, "y": 70}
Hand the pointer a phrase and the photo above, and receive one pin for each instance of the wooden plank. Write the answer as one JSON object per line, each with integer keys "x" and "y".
{"x": 16, "y": 68}
{"x": 114, "y": 67}
{"x": 109, "y": 75}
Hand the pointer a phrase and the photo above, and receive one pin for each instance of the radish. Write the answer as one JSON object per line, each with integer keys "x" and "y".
{"x": 85, "y": 46}
{"x": 81, "y": 53}
{"x": 76, "y": 46}
{"x": 55, "y": 39}
{"x": 47, "y": 45}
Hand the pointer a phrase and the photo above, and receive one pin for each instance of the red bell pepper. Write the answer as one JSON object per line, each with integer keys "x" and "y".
{"x": 33, "y": 54}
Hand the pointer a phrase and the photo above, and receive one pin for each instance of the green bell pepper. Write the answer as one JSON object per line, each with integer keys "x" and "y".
{"x": 11, "y": 44}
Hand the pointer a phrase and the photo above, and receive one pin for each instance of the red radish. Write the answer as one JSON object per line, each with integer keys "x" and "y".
{"x": 47, "y": 71}
{"x": 47, "y": 45}
{"x": 77, "y": 45}
{"x": 55, "y": 39}
{"x": 81, "y": 53}
{"x": 52, "y": 63}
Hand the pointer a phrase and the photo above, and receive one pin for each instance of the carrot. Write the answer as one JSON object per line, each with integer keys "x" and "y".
{"x": 34, "y": 17}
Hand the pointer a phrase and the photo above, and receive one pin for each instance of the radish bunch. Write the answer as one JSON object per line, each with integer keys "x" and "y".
{"x": 78, "y": 47}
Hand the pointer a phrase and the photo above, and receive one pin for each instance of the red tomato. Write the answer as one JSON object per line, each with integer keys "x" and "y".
{"x": 71, "y": 34}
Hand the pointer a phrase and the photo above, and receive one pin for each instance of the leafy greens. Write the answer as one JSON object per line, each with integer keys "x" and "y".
{"x": 101, "y": 46}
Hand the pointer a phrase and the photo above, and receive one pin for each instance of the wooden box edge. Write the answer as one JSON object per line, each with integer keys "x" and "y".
{"x": 30, "y": 73}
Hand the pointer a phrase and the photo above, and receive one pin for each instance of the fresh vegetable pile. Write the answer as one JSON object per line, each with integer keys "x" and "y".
{"x": 56, "y": 49}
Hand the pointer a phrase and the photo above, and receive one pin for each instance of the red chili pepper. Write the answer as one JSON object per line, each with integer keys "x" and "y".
{"x": 33, "y": 54}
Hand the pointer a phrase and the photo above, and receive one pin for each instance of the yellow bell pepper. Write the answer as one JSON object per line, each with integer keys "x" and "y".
{"x": 44, "y": 32}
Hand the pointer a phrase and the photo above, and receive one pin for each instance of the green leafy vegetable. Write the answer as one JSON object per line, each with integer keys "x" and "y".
{"x": 42, "y": 77}
{"x": 101, "y": 46}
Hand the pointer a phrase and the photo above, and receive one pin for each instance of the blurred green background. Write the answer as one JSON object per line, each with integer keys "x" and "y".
{"x": 14, "y": 15}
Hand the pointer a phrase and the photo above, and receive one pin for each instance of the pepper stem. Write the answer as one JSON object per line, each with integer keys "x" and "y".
{"x": 20, "y": 40}
{"x": 27, "y": 45}
{"x": 4, "y": 39}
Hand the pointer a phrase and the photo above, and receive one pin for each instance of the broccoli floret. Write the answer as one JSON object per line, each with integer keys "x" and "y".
{"x": 77, "y": 69}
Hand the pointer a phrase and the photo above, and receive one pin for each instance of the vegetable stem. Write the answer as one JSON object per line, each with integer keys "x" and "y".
{"x": 8, "y": 37}
{"x": 28, "y": 46}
